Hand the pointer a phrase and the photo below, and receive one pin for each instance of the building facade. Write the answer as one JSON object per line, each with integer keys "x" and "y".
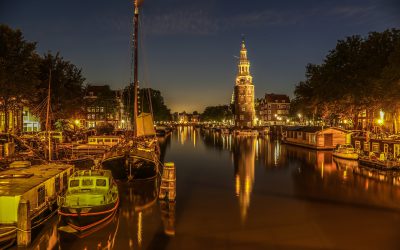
{"x": 274, "y": 109}
{"x": 244, "y": 92}
{"x": 103, "y": 105}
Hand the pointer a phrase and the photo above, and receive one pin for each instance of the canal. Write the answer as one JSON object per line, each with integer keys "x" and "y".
{"x": 248, "y": 193}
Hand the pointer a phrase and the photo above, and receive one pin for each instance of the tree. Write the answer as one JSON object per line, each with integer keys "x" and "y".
{"x": 160, "y": 111}
{"x": 18, "y": 70}
{"x": 66, "y": 88}
{"x": 351, "y": 78}
{"x": 216, "y": 113}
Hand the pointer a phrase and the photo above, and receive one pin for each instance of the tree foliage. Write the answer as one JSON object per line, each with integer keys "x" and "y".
{"x": 18, "y": 69}
{"x": 66, "y": 88}
{"x": 146, "y": 96}
{"x": 216, "y": 113}
{"x": 24, "y": 78}
{"x": 358, "y": 74}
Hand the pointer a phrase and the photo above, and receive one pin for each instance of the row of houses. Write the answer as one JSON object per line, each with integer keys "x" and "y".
{"x": 100, "y": 104}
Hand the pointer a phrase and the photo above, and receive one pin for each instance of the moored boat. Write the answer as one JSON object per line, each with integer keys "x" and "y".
{"x": 38, "y": 186}
{"x": 345, "y": 151}
{"x": 91, "y": 199}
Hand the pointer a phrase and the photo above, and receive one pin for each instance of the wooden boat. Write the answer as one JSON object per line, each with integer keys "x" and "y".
{"x": 345, "y": 151}
{"x": 91, "y": 199}
{"x": 38, "y": 185}
{"x": 145, "y": 152}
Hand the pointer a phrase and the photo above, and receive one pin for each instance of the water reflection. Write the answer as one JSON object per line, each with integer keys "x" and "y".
{"x": 322, "y": 176}
{"x": 244, "y": 154}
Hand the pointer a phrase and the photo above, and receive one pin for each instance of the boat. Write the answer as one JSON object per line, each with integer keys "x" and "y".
{"x": 345, "y": 151}
{"x": 145, "y": 151}
{"x": 38, "y": 185}
{"x": 91, "y": 199}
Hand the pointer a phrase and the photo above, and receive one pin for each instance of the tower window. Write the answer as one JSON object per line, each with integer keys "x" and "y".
{"x": 241, "y": 117}
{"x": 244, "y": 109}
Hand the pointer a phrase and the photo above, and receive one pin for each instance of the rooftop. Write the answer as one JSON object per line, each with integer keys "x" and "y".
{"x": 17, "y": 181}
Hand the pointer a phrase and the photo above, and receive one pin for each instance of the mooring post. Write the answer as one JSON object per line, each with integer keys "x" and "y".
{"x": 24, "y": 224}
{"x": 168, "y": 182}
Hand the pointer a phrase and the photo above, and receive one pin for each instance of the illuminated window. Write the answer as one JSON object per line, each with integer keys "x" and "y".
{"x": 244, "y": 109}
{"x": 241, "y": 117}
{"x": 375, "y": 147}
{"x": 357, "y": 145}
{"x": 366, "y": 146}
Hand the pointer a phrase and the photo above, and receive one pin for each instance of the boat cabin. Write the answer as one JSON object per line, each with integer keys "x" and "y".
{"x": 38, "y": 184}
{"x": 89, "y": 179}
{"x": 389, "y": 147}
{"x": 316, "y": 137}
{"x": 109, "y": 140}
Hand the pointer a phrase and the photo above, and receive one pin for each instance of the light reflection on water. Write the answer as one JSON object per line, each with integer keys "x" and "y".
{"x": 250, "y": 192}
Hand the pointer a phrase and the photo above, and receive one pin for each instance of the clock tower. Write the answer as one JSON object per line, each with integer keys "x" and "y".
{"x": 244, "y": 92}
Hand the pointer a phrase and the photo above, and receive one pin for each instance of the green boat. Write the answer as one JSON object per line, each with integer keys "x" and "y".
{"x": 91, "y": 199}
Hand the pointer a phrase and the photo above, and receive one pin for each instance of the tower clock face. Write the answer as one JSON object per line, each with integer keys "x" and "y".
{"x": 242, "y": 81}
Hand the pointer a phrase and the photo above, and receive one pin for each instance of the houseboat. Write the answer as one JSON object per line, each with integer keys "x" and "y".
{"x": 91, "y": 199}
{"x": 38, "y": 185}
{"x": 318, "y": 138}
{"x": 378, "y": 153}
{"x": 345, "y": 151}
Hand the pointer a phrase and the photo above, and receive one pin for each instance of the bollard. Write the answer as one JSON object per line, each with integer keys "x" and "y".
{"x": 168, "y": 182}
{"x": 24, "y": 224}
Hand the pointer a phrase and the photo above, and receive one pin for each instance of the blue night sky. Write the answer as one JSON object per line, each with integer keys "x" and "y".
{"x": 188, "y": 47}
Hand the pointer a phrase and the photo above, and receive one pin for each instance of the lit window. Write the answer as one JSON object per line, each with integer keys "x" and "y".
{"x": 244, "y": 109}
{"x": 241, "y": 117}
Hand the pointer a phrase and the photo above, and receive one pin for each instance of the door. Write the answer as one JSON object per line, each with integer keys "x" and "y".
{"x": 328, "y": 140}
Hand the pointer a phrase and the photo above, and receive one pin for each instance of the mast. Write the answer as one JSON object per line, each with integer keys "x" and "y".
{"x": 48, "y": 114}
{"x": 135, "y": 69}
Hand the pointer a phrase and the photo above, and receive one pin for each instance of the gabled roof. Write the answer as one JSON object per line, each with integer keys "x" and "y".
{"x": 276, "y": 97}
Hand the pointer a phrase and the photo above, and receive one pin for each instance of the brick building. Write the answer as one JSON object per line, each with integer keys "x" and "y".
{"x": 274, "y": 109}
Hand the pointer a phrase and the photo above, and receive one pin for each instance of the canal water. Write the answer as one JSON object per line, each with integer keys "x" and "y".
{"x": 248, "y": 193}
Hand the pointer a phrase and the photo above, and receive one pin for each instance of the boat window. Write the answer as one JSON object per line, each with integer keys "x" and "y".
{"x": 41, "y": 195}
{"x": 57, "y": 184}
{"x": 107, "y": 140}
{"x": 74, "y": 183}
{"x": 101, "y": 182}
{"x": 92, "y": 140}
{"x": 65, "y": 180}
{"x": 87, "y": 182}
{"x": 115, "y": 140}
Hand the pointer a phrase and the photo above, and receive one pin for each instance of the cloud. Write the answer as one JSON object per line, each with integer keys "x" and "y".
{"x": 198, "y": 21}
{"x": 189, "y": 21}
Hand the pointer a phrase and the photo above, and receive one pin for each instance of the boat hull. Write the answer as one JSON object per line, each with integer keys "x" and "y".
{"x": 348, "y": 156}
{"x": 85, "y": 218}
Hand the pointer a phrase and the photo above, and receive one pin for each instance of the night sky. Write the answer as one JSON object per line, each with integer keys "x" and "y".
{"x": 188, "y": 47}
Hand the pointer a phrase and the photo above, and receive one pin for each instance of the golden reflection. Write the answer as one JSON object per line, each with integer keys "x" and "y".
{"x": 244, "y": 161}
{"x": 237, "y": 184}
{"x": 139, "y": 229}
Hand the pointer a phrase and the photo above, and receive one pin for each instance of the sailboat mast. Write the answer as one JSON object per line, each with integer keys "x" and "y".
{"x": 135, "y": 69}
{"x": 48, "y": 115}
